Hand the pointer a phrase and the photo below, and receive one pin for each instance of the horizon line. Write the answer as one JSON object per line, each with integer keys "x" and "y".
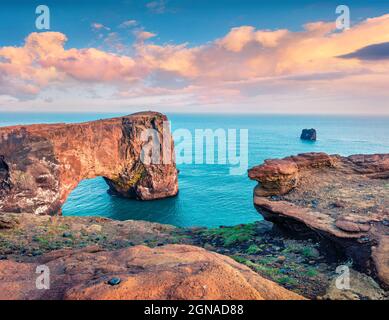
{"x": 195, "y": 113}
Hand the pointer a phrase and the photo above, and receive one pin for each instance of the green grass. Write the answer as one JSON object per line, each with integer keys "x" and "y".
{"x": 42, "y": 240}
{"x": 268, "y": 270}
{"x": 311, "y": 273}
{"x": 287, "y": 280}
{"x": 259, "y": 267}
{"x": 232, "y": 235}
{"x": 267, "y": 260}
{"x": 294, "y": 248}
{"x": 309, "y": 253}
{"x": 240, "y": 259}
{"x": 253, "y": 249}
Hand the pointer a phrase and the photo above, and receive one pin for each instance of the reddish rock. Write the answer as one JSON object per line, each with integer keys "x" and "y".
{"x": 278, "y": 177}
{"x": 351, "y": 226}
{"x": 172, "y": 272}
{"x": 8, "y": 222}
{"x": 341, "y": 199}
{"x": 376, "y": 165}
{"x": 41, "y": 164}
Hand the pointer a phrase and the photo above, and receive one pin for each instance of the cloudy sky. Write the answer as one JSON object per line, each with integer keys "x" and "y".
{"x": 244, "y": 56}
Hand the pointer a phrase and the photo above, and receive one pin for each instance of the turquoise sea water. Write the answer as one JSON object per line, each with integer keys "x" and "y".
{"x": 209, "y": 195}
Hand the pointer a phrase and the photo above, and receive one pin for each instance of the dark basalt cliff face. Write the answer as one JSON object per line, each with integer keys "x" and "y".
{"x": 41, "y": 164}
{"x": 344, "y": 200}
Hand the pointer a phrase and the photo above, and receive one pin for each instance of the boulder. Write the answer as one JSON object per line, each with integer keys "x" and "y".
{"x": 170, "y": 272}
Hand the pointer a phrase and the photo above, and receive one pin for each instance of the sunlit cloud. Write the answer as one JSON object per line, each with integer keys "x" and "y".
{"x": 99, "y": 26}
{"x": 157, "y": 6}
{"x": 128, "y": 24}
{"x": 247, "y": 66}
{"x": 142, "y": 35}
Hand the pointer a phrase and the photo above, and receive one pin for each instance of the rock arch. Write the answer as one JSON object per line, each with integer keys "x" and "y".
{"x": 41, "y": 164}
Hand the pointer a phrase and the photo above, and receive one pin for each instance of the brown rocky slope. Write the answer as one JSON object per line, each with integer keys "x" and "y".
{"x": 343, "y": 200}
{"x": 28, "y": 240}
{"x": 168, "y": 272}
{"x": 41, "y": 164}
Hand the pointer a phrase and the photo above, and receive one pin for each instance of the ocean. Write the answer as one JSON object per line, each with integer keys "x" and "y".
{"x": 209, "y": 195}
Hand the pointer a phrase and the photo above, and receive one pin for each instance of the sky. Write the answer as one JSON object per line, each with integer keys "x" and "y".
{"x": 224, "y": 56}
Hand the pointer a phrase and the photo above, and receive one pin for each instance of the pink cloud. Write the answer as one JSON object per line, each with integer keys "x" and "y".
{"x": 157, "y": 6}
{"x": 128, "y": 24}
{"x": 244, "y": 64}
{"x": 142, "y": 35}
{"x": 99, "y": 26}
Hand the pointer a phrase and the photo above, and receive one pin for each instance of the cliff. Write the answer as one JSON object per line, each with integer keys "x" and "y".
{"x": 41, "y": 164}
{"x": 343, "y": 200}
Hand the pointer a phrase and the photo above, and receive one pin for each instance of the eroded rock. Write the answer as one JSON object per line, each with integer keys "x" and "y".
{"x": 344, "y": 200}
{"x": 168, "y": 272}
{"x": 278, "y": 177}
{"x": 359, "y": 287}
{"x": 8, "y": 221}
{"x": 41, "y": 164}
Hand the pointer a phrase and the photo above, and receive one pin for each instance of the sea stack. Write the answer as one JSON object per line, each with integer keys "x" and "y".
{"x": 308, "y": 134}
{"x": 41, "y": 164}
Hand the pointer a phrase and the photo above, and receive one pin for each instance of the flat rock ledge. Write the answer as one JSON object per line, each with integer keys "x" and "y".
{"x": 169, "y": 272}
{"x": 344, "y": 200}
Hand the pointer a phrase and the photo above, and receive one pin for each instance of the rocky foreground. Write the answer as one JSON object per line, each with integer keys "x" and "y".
{"x": 145, "y": 260}
{"x": 90, "y": 267}
{"x": 41, "y": 164}
{"x": 168, "y": 272}
{"x": 343, "y": 201}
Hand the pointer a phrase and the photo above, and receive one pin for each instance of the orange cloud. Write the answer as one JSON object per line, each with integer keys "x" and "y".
{"x": 144, "y": 35}
{"x": 43, "y": 61}
{"x": 243, "y": 64}
{"x": 99, "y": 26}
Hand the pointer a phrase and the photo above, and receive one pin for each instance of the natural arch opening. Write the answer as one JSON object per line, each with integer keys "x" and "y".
{"x": 93, "y": 198}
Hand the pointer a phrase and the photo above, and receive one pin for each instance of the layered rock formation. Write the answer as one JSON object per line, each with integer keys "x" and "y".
{"x": 41, "y": 164}
{"x": 341, "y": 199}
{"x": 168, "y": 272}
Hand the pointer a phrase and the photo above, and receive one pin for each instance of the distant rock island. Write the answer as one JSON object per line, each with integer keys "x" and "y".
{"x": 308, "y": 134}
{"x": 41, "y": 164}
{"x": 343, "y": 200}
